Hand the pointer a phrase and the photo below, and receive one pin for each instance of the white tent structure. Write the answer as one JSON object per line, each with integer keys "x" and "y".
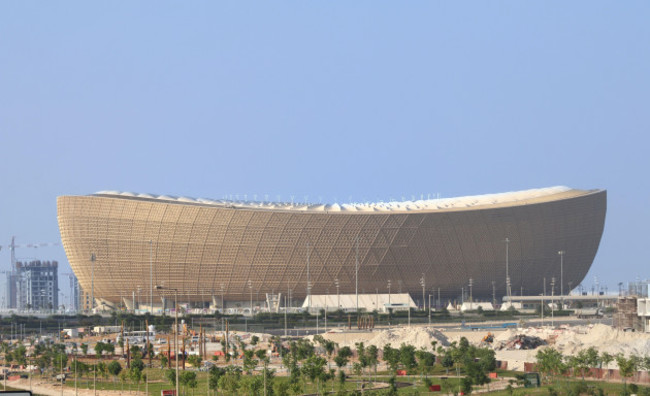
{"x": 367, "y": 302}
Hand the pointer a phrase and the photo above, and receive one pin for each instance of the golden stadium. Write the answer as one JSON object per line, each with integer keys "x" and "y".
{"x": 207, "y": 249}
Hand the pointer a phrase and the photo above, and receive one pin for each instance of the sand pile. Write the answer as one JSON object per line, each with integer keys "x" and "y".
{"x": 605, "y": 339}
{"x": 571, "y": 340}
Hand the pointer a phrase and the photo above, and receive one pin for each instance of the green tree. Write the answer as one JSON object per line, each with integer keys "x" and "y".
{"x": 114, "y": 368}
{"x": 138, "y": 363}
{"x": 578, "y": 363}
{"x": 249, "y": 362}
{"x": 314, "y": 368}
{"x": 391, "y": 357}
{"x": 447, "y": 361}
{"x": 188, "y": 379}
{"x": 281, "y": 388}
{"x": 171, "y": 376}
{"x": 372, "y": 357}
{"x": 425, "y": 361}
{"x": 626, "y": 368}
{"x": 407, "y": 356}
{"x": 214, "y": 376}
{"x": 253, "y": 385}
{"x": 605, "y": 359}
{"x": 99, "y": 349}
{"x": 194, "y": 360}
{"x": 229, "y": 382}
{"x": 341, "y": 360}
{"x": 550, "y": 362}
{"x": 20, "y": 354}
{"x": 466, "y": 385}
{"x": 109, "y": 349}
{"x": 135, "y": 373}
{"x": 84, "y": 349}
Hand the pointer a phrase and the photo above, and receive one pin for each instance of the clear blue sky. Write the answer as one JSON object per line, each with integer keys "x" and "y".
{"x": 365, "y": 100}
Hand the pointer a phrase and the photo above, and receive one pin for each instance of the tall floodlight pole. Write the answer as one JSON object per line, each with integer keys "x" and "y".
{"x": 356, "y": 273}
{"x": 223, "y": 309}
{"x": 561, "y": 253}
{"x": 471, "y": 284}
{"x": 552, "y": 302}
{"x": 92, "y": 283}
{"x": 308, "y": 282}
{"x": 175, "y": 330}
{"x": 250, "y": 289}
{"x": 507, "y": 241}
{"x": 424, "y": 304}
{"x": 150, "y": 276}
{"x": 389, "y": 304}
{"x": 338, "y": 296}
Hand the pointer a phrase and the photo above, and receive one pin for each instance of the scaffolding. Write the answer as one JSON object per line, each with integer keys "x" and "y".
{"x": 627, "y": 317}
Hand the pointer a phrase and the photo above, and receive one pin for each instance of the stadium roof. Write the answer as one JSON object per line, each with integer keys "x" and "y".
{"x": 425, "y": 205}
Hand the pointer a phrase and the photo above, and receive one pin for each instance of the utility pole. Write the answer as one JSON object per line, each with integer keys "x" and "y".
{"x": 150, "y": 276}
{"x": 471, "y": 284}
{"x": 223, "y": 308}
{"x": 424, "y": 303}
{"x": 356, "y": 272}
{"x": 250, "y": 288}
{"x": 308, "y": 282}
{"x": 338, "y": 297}
{"x": 92, "y": 283}
{"x": 552, "y": 302}
{"x": 389, "y": 304}
{"x": 285, "y": 315}
{"x": 561, "y": 253}
{"x": 508, "y": 292}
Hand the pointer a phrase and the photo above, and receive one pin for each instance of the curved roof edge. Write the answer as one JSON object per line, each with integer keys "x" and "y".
{"x": 441, "y": 204}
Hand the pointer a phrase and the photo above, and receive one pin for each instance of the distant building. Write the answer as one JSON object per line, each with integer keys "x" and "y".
{"x": 11, "y": 290}
{"x": 366, "y": 302}
{"x": 37, "y": 285}
{"x": 639, "y": 288}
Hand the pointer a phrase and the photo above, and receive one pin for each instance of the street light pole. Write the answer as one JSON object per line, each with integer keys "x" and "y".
{"x": 471, "y": 300}
{"x": 308, "y": 282}
{"x": 356, "y": 276}
{"x": 424, "y": 303}
{"x": 92, "y": 283}
{"x": 389, "y": 304}
{"x": 507, "y": 241}
{"x": 223, "y": 309}
{"x": 175, "y": 330}
{"x": 338, "y": 296}
{"x": 250, "y": 288}
{"x": 151, "y": 276}
{"x": 552, "y": 302}
{"x": 561, "y": 253}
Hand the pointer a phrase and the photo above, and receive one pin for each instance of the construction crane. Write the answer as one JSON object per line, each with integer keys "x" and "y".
{"x": 12, "y": 248}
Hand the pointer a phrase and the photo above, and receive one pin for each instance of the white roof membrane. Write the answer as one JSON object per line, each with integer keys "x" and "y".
{"x": 393, "y": 206}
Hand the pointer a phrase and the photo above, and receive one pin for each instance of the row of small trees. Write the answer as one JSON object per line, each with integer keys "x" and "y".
{"x": 305, "y": 365}
{"x": 552, "y": 363}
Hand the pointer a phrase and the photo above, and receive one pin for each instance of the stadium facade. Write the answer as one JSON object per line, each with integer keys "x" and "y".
{"x": 214, "y": 249}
